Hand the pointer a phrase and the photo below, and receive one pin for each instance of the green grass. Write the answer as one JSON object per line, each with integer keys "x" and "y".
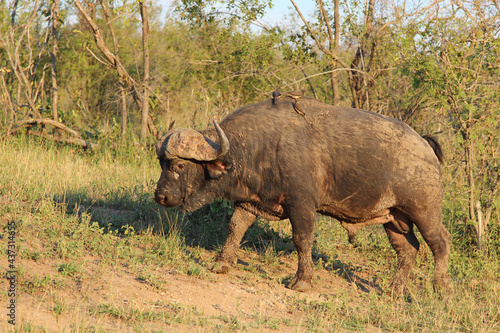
{"x": 84, "y": 217}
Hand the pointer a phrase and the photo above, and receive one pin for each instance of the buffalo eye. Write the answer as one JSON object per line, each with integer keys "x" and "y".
{"x": 179, "y": 167}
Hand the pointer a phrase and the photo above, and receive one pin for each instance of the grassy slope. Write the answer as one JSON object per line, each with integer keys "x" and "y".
{"x": 95, "y": 253}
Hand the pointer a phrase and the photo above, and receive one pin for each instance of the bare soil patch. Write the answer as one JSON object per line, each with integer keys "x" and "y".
{"x": 113, "y": 298}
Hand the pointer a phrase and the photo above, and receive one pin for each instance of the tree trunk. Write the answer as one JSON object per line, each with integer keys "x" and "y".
{"x": 334, "y": 43}
{"x": 123, "y": 97}
{"x": 145, "y": 79}
{"x": 13, "y": 13}
{"x": 55, "y": 96}
{"x": 14, "y": 57}
{"x": 358, "y": 82}
{"x": 335, "y": 83}
{"x": 480, "y": 227}
{"x": 469, "y": 167}
{"x": 469, "y": 158}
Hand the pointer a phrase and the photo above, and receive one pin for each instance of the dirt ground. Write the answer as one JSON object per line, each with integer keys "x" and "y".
{"x": 114, "y": 299}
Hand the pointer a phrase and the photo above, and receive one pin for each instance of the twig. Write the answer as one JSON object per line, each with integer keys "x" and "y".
{"x": 327, "y": 72}
{"x": 309, "y": 82}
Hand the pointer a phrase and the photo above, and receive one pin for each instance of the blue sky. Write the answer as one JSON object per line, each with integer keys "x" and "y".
{"x": 283, "y": 7}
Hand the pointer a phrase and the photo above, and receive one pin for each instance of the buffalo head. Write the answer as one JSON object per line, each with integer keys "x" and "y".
{"x": 190, "y": 162}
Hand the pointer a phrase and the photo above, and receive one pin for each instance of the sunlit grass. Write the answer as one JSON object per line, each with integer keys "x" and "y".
{"x": 32, "y": 171}
{"x": 73, "y": 209}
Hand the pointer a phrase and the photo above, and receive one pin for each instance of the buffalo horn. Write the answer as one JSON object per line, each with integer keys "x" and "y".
{"x": 224, "y": 142}
{"x": 191, "y": 144}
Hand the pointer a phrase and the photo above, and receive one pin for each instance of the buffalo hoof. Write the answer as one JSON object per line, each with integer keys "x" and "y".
{"x": 395, "y": 291}
{"x": 221, "y": 267}
{"x": 301, "y": 286}
{"x": 443, "y": 288}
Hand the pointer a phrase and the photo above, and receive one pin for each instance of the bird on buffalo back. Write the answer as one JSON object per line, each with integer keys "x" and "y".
{"x": 276, "y": 96}
{"x": 296, "y": 95}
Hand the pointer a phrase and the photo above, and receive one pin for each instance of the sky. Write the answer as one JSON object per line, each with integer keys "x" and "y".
{"x": 283, "y": 7}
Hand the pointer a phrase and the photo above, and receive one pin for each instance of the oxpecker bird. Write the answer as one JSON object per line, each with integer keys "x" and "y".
{"x": 296, "y": 95}
{"x": 276, "y": 96}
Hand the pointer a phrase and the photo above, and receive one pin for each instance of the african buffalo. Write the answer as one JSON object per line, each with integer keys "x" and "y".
{"x": 359, "y": 167}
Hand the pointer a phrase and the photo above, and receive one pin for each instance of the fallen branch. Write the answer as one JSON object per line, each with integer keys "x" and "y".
{"x": 74, "y": 139}
{"x": 42, "y": 121}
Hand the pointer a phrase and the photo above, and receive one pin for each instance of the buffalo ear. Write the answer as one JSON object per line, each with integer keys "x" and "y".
{"x": 217, "y": 168}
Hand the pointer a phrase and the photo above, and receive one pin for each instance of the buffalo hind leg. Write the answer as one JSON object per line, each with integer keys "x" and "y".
{"x": 406, "y": 246}
{"x": 302, "y": 220}
{"x": 439, "y": 240}
{"x": 239, "y": 224}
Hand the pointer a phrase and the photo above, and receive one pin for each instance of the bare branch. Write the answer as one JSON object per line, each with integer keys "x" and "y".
{"x": 105, "y": 63}
{"x": 121, "y": 83}
{"x": 115, "y": 62}
{"x": 309, "y": 82}
{"x": 386, "y": 24}
{"x": 101, "y": 44}
{"x": 313, "y": 35}
{"x": 76, "y": 138}
{"x": 334, "y": 70}
{"x": 145, "y": 61}
{"x": 327, "y": 23}
{"x": 15, "y": 60}
{"x": 333, "y": 47}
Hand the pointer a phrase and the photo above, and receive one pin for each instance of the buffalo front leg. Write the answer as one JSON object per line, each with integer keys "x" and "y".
{"x": 302, "y": 221}
{"x": 240, "y": 222}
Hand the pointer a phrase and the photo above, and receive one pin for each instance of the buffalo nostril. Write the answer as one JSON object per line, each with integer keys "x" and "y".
{"x": 160, "y": 198}
{"x": 166, "y": 199}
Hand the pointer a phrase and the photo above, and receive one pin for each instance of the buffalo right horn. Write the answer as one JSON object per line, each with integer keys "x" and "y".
{"x": 224, "y": 142}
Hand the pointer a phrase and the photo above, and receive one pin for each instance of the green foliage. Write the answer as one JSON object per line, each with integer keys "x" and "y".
{"x": 68, "y": 269}
{"x": 452, "y": 68}
{"x": 233, "y": 13}
{"x": 207, "y": 227}
{"x": 299, "y": 50}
